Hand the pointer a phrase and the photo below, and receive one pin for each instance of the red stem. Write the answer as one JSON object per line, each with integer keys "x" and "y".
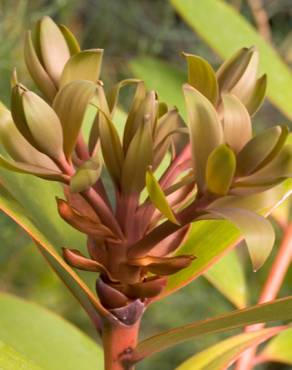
{"x": 270, "y": 290}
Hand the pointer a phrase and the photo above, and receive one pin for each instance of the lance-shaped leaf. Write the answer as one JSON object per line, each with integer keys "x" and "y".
{"x": 84, "y": 65}
{"x": 236, "y": 122}
{"x": 111, "y": 146}
{"x": 162, "y": 265}
{"x": 17, "y": 146}
{"x": 138, "y": 158}
{"x": 86, "y": 175}
{"x": 205, "y": 130}
{"x": 277, "y": 170}
{"x": 280, "y": 309}
{"x": 27, "y": 168}
{"x": 257, "y": 95}
{"x": 53, "y": 48}
{"x": 83, "y": 223}
{"x": 224, "y": 353}
{"x": 234, "y": 68}
{"x": 77, "y": 286}
{"x": 261, "y": 149}
{"x": 257, "y": 232}
{"x": 279, "y": 349}
{"x": 144, "y": 104}
{"x": 202, "y": 77}
{"x": 43, "y": 125}
{"x": 76, "y": 259}
{"x": 220, "y": 170}
{"x": 113, "y": 95}
{"x": 158, "y": 197}
{"x": 72, "y": 43}
{"x": 22, "y": 328}
{"x": 37, "y": 71}
{"x": 70, "y": 104}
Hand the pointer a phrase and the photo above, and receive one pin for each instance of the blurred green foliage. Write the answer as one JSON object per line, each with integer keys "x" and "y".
{"x": 125, "y": 29}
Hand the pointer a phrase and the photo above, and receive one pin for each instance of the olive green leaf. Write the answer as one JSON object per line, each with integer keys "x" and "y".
{"x": 261, "y": 149}
{"x": 53, "y": 48}
{"x": 17, "y": 146}
{"x": 37, "y": 71}
{"x": 43, "y": 125}
{"x": 257, "y": 95}
{"x": 35, "y": 333}
{"x": 70, "y": 105}
{"x": 84, "y": 65}
{"x": 236, "y": 122}
{"x": 139, "y": 156}
{"x": 220, "y": 170}
{"x": 158, "y": 197}
{"x": 205, "y": 130}
{"x": 111, "y": 146}
{"x": 279, "y": 349}
{"x": 280, "y": 309}
{"x": 72, "y": 43}
{"x": 256, "y": 230}
{"x": 86, "y": 175}
{"x": 224, "y": 353}
{"x": 226, "y": 40}
{"x": 202, "y": 77}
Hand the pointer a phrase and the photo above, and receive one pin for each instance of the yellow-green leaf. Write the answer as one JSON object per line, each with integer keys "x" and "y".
{"x": 86, "y": 175}
{"x": 279, "y": 349}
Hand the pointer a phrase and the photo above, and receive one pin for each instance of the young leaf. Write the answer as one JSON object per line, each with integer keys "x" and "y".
{"x": 240, "y": 33}
{"x": 236, "y": 122}
{"x": 72, "y": 43}
{"x": 279, "y": 349}
{"x": 202, "y": 77}
{"x": 84, "y": 65}
{"x": 220, "y": 170}
{"x": 22, "y": 328}
{"x": 205, "y": 130}
{"x": 86, "y": 175}
{"x": 257, "y": 95}
{"x": 158, "y": 197}
{"x": 280, "y": 309}
{"x": 257, "y": 231}
{"x": 224, "y": 353}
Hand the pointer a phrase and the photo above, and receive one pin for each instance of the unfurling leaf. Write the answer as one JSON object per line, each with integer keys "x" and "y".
{"x": 70, "y": 105}
{"x": 162, "y": 265}
{"x": 220, "y": 170}
{"x": 84, "y": 65}
{"x": 205, "y": 130}
{"x": 257, "y": 231}
{"x": 86, "y": 175}
{"x": 236, "y": 122}
{"x": 158, "y": 197}
{"x": 202, "y": 77}
{"x": 261, "y": 150}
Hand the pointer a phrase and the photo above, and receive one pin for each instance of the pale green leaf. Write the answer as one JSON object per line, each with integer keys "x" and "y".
{"x": 86, "y": 175}
{"x": 279, "y": 349}
{"x": 10, "y": 359}
{"x": 45, "y": 339}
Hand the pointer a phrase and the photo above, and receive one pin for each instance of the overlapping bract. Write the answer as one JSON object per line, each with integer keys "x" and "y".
{"x": 165, "y": 174}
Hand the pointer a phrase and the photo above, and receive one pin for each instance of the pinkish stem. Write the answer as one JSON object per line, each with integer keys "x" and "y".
{"x": 270, "y": 290}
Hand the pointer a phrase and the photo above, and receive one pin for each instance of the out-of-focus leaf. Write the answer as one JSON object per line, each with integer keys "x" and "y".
{"x": 227, "y": 276}
{"x": 45, "y": 339}
{"x": 208, "y": 240}
{"x": 205, "y": 130}
{"x": 70, "y": 104}
{"x": 261, "y": 149}
{"x": 84, "y": 65}
{"x": 220, "y": 170}
{"x": 224, "y": 353}
{"x": 88, "y": 300}
{"x": 10, "y": 359}
{"x": 226, "y": 40}
{"x": 256, "y": 230}
{"x": 279, "y": 348}
{"x": 202, "y": 77}
{"x": 280, "y": 309}
{"x": 236, "y": 123}
{"x": 158, "y": 197}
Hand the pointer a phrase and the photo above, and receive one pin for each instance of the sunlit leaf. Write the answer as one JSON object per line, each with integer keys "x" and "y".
{"x": 279, "y": 349}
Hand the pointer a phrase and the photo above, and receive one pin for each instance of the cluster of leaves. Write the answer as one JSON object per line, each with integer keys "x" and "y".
{"x": 222, "y": 173}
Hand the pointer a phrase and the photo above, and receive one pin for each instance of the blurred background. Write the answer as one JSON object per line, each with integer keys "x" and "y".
{"x": 129, "y": 31}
